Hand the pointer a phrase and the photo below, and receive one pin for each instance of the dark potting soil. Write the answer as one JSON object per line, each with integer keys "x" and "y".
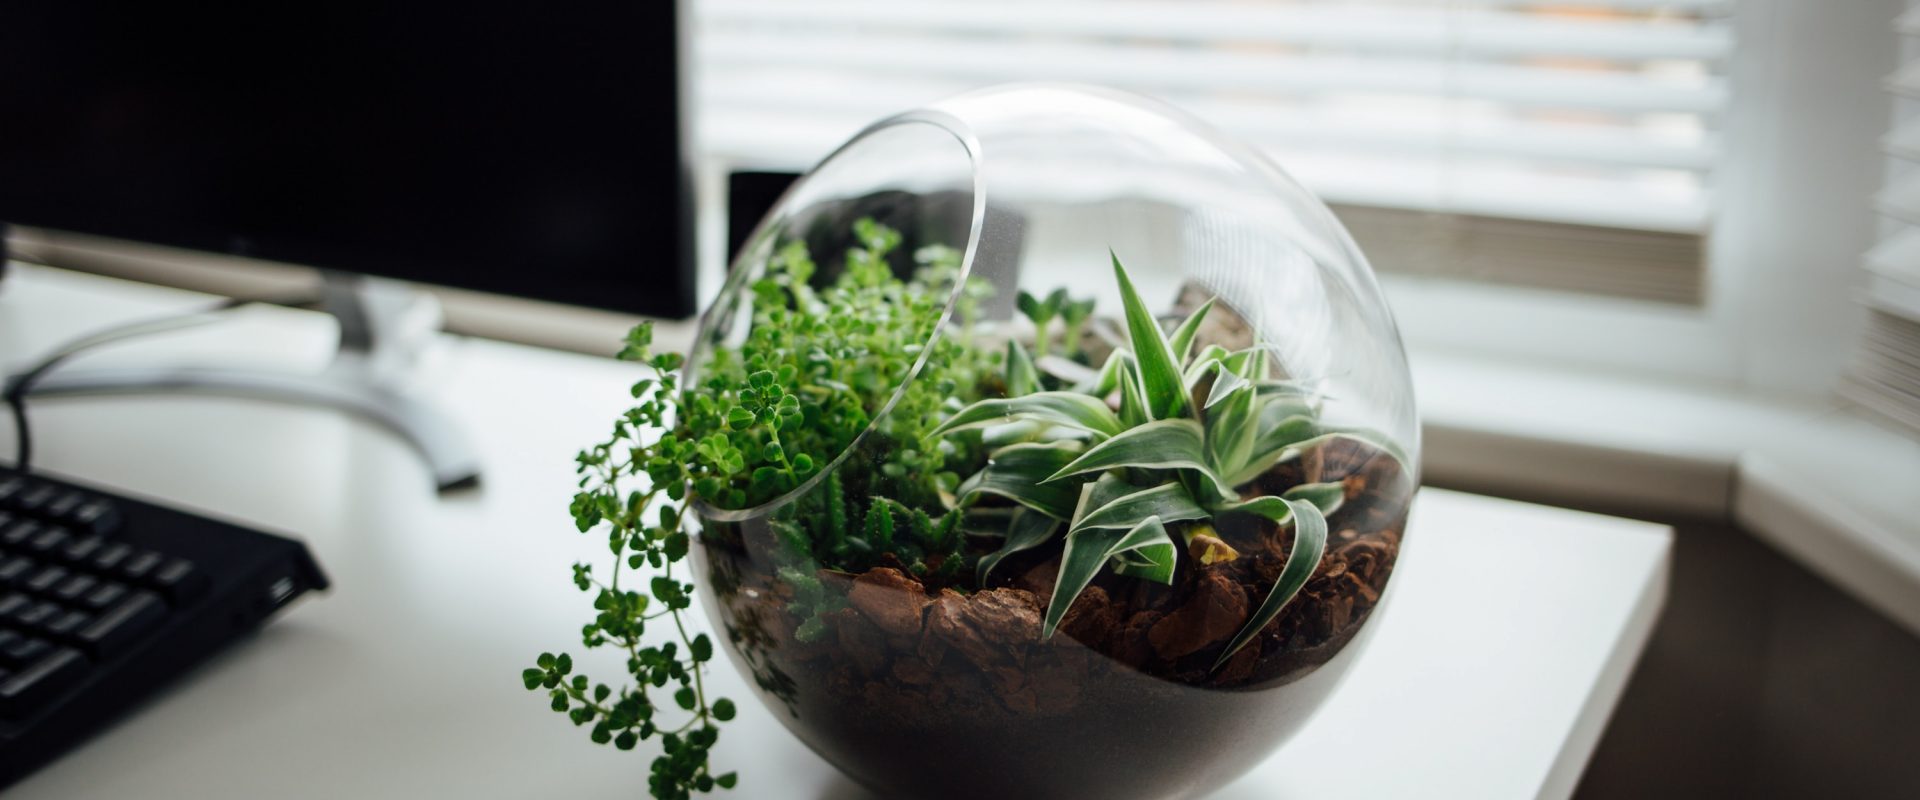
{"x": 939, "y": 693}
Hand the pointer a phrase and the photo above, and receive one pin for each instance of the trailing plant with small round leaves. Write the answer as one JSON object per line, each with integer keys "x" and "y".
{"x": 644, "y": 529}
{"x": 816, "y": 366}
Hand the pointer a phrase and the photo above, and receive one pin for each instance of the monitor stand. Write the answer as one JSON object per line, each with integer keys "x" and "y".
{"x": 382, "y": 329}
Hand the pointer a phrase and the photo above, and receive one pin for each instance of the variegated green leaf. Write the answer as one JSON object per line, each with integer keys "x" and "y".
{"x": 1159, "y": 372}
{"x": 1163, "y": 444}
{"x": 1015, "y": 472}
{"x": 1270, "y": 388}
{"x": 1146, "y": 553}
{"x": 1206, "y": 487}
{"x": 1086, "y": 552}
{"x": 1083, "y": 557}
{"x": 1256, "y": 363}
{"x": 1104, "y": 489}
{"x": 1232, "y": 427}
{"x": 1276, "y": 408}
{"x": 1279, "y": 432}
{"x": 1367, "y": 436}
{"x": 1068, "y": 372}
{"x": 1022, "y": 377}
{"x": 1133, "y": 400}
{"x": 1225, "y": 383}
{"x": 1309, "y": 544}
{"x": 1325, "y": 496}
{"x": 1027, "y": 530}
{"x": 1109, "y": 378}
{"x": 1273, "y": 508}
{"x": 1276, "y": 443}
{"x": 1203, "y": 364}
{"x": 1171, "y": 502}
{"x": 1182, "y": 340}
{"x": 1156, "y": 446}
{"x": 1024, "y": 430}
{"x": 1060, "y": 408}
{"x": 1297, "y": 434}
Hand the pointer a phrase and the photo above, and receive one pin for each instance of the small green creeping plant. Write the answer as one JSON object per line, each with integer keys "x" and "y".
{"x": 1115, "y": 482}
{"x": 817, "y": 365}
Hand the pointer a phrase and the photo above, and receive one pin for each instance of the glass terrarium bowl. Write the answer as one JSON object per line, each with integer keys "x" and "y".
{"x": 938, "y": 651}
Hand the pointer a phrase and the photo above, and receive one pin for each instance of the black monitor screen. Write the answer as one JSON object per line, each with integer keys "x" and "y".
{"x": 522, "y": 148}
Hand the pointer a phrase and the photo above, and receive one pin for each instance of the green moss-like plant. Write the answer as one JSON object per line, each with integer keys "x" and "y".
{"x": 817, "y": 365}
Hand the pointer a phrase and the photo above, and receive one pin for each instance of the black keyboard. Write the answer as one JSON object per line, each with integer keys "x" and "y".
{"x": 104, "y": 600}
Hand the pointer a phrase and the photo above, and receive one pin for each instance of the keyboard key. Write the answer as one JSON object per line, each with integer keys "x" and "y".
{"x": 19, "y": 533}
{"x": 50, "y": 539}
{"x": 108, "y": 559}
{"x": 122, "y": 625}
{"x": 34, "y": 498}
{"x": 140, "y": 566}
{"x": 179, "y": 581}
{"x": 31, "y": 686}
{"x": 14, "y": 570}
{"x": 9, "y": 638}
{"x": 75, "y": 587}
{"x": 81, "y": 549}
{"x": 12, "y": 604}
{"x": 102, "y": 596}
{"x": 48, "y": 577}
{"x": 36, "y": 616}
{"x": 66, "y": 626}
{"x": 95, "y": 516}
{"x": 63, "y": 504}
{"x": 20, "y": 650}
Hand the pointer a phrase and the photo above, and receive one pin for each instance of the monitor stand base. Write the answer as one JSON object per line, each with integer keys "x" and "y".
{"x": 379, "y": 336}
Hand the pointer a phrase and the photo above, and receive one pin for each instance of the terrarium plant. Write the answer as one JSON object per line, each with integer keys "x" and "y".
{"x": 765, "y": 416}
{"x": 917, "y": 524}
{"x": 1130, "y": 485}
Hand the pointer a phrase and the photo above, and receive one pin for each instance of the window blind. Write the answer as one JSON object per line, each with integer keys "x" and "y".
{"x": 1884, "y": 375}
{"x": 1454, "y": 119}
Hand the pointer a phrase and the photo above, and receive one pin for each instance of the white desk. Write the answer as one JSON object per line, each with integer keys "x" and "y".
{"x": 1506, "y": 645}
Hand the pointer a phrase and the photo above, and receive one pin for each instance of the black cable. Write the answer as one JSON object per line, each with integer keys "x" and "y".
{"x": 20, "y": 385}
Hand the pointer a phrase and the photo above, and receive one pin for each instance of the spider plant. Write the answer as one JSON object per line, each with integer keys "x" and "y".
{"x": 1190, "y": 432}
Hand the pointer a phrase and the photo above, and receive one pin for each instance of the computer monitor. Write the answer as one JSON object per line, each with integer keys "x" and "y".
{"x": 526, "y": 149}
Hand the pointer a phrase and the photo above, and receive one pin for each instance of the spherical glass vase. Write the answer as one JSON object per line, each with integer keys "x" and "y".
{"x": 1067, "y": 550}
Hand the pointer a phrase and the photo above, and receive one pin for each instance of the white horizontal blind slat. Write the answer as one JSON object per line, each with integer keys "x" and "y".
{"x": 1402, "y": 181}
{"x": 1903, "y": 142}
{"x": 1586, "y": 113}
{"x": 1909, "y": 23}
{"x": 1900, "y": 200}
{"x": 1883, "y": 375}
{"x": 1384, "y": 28}
{"x": 1897, "y": 257}
{"x": 822, "y": 99}
{"x": 998, "y": 61}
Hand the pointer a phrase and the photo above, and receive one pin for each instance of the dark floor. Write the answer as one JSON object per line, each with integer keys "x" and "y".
{"x": 1763, "y": 681}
